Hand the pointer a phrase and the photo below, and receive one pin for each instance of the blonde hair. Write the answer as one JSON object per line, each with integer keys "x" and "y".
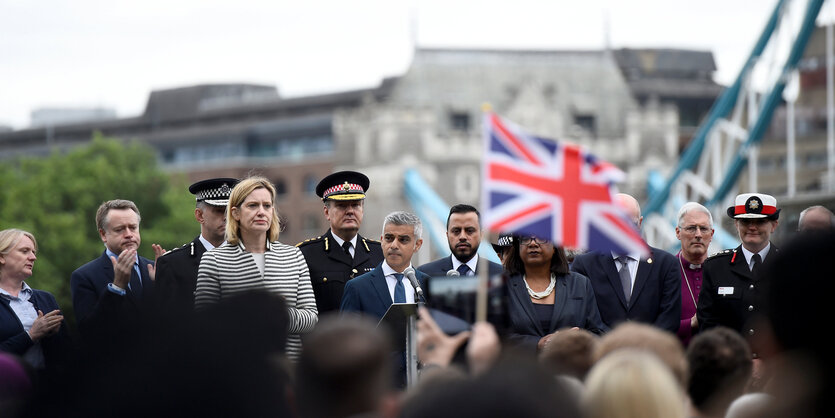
{"x": 663, "y": 344}
{"x": 631, "y": 383}
{"x": 237, "y": 197}
{"x": 10, "y": 237}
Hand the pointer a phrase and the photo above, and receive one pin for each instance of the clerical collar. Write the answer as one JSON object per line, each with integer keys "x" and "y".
{"x": 688, "y": 264}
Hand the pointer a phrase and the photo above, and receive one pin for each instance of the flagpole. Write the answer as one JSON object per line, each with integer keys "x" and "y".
{"x": 483, "y": 264}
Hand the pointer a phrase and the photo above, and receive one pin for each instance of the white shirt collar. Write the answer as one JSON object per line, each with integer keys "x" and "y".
{"x": 748, "y": 254}
{"x": 339, "y": 241}
{"x": 472, "y": 263}
{"x": 206, "y": 244}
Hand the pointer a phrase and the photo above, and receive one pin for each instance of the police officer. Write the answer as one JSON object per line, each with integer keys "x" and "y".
{"x": 733, "y": 289}
{"x": 340, "y": 254}
{"x": 176, "y": 275}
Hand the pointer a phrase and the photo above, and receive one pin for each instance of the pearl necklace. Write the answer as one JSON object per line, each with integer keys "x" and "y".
{"x": 543, "y": 294}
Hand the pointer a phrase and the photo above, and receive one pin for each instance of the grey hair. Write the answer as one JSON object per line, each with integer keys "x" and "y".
{"x": 694, "y": 206}
{"x": 816, "y": 207}
{"x": 404, "y": 218}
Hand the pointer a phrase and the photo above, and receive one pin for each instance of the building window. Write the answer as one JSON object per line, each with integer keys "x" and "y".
{"x": 587, "y": 122}
{"x": 280, "y": 188}
{"x": 460, "y": 121}
{"x": 309, "y": 186}
{"x": 310, "y": 224}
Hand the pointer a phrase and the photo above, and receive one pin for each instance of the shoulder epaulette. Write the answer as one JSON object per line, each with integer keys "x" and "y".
{"x": 723, "y": 253}
{"x": 174, "y": 249}
{"x": 309, "y": 241}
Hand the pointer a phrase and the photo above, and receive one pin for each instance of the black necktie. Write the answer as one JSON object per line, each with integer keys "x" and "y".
{"x": 135, "y": 284}
{"x": 347, "y": 247}
{"x": 758, "y": 261}
{"x": 625, "y": 277}
{"x": 464, "y": 270}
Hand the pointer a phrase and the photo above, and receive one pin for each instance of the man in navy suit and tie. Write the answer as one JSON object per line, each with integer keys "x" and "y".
{"x": 117, "y": 282}
{"x": 628, "y": 287}
{"x": 463, "y": 231}
{"x": 373, "y": 292}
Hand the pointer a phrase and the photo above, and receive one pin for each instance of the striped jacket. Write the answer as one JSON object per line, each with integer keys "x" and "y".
{"x": 230, "y": 269}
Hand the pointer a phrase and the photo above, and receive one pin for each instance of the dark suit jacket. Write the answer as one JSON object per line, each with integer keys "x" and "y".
{"x": 656, "y": 292}
{"x": 176, "y": 276}
{"x": 441, "y": 266}
{"x": 369, "y": 293}
{"x": 330, "y": 268}
{"x": 13, "y": 339}
{"x": 93, "y": 303}
{"x": 574, "y": 306}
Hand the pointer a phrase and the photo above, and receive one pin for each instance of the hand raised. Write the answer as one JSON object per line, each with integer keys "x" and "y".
{"x": 46, "y": 325}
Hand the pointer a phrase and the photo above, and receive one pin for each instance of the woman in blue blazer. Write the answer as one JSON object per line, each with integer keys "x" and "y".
{"x": 31, "y": 326}
{"x": 544, "y": 296}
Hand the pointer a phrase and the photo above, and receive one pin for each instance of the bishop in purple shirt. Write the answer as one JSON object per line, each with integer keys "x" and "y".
{"x": 694, "y": 230}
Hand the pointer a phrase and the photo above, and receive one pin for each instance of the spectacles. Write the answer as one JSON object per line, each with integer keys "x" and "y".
{"x": 693, "y": 228}
{"x": 528, "y": 240}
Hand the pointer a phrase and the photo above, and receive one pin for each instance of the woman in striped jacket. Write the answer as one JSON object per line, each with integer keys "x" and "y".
{"x": 252, "y": 259}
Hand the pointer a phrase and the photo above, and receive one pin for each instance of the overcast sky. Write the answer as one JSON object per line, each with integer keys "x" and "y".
{"x": 113, "y": 53}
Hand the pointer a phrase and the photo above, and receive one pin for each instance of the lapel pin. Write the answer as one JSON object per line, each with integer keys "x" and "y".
{"x": 649, "y": 261}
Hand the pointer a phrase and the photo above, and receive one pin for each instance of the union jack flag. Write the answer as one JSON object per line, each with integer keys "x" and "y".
{"x": 553, "y": 190}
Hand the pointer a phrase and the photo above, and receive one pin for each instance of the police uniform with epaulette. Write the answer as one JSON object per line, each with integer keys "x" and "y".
{"x": 176, "y": 270}
{"x": 176, "y": 275}
{"x": 331, "y": 265}
{"x": 733, "y": 295}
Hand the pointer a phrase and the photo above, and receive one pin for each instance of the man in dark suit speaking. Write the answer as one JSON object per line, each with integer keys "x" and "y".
{"x": 463, "y": 231}
{"x": 628, "y": 287}
{"x": 373, "y": 292}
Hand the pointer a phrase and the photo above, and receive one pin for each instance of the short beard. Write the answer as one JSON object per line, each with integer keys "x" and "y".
{"x": 465, "y": 257}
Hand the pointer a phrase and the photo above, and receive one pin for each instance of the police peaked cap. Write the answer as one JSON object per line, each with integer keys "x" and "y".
{"x": 343, "y": 185}
{"x": 213, "y": 191}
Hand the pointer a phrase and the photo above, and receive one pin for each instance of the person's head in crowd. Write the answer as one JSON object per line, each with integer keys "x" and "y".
{"x": 401, "y": 239}
{"x": 344, "y": 370}
{"x": 503, "y": 246}
{"x": 756, "y": 217}
{"x": 570, "y": 352}
{"x": 530, "y": 250}
{"x": 252, "y": 210}
{"x": 118, "y": 224}
{"x": 801, "y": 288}
{"x": 750, "y": 405}
{"x": 513, "y": 387}
{"x": 630, "y": 383}
{"x": 631, "y": 207}
{"x": 212, "y": 197}
{"x": 816, "y": 218}
{"x": 646, "y": 337}
{"x": 343, "y": 193}
{"x": 15, "y": 384}
{"x": 463, "y": 231}
{"x": 695, "y": 231}
{"x": 720, "y": 368}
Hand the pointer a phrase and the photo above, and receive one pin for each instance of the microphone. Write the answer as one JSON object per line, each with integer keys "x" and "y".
{"x": 410, "y": 274}
{"x": 453, "y": 273}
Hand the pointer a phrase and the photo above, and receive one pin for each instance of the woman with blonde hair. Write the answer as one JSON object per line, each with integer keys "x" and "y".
{"x": 31, "y": 324}
{"x": 253, "y": 259}
{"x": 630, "y": 383}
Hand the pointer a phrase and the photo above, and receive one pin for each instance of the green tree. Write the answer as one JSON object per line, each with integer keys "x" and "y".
{"x": 56, "y": 199}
